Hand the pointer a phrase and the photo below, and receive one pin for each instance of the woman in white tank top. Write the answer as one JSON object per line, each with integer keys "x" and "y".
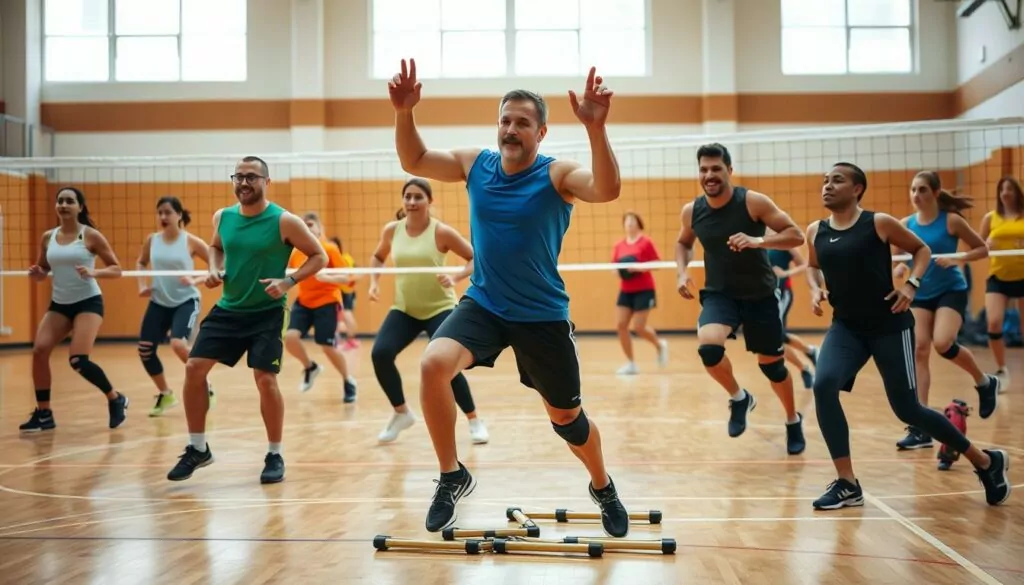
{"x": 174, "y": 301}
{"x": 68, "y": 253}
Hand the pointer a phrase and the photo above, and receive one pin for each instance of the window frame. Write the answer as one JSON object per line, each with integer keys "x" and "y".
{"x": 112, "y": 37}
{"x": 912, "y": 41}
{"x": 510, "y": 46}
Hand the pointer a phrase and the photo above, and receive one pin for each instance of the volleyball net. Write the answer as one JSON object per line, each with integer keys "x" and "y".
{"x": 357, "y": 193}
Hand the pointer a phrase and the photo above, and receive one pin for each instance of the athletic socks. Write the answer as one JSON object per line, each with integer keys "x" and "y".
{"x": 274, "y": 448}
{"x": 739, "y": 396}
{"x": 198, "y": 441}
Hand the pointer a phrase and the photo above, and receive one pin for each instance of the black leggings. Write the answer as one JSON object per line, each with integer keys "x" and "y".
{"x": 843, "y": 354}
{"x": 396, "y": 333}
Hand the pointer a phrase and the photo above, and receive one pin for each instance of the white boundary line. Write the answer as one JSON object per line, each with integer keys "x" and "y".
{"x": 942, "y": 547}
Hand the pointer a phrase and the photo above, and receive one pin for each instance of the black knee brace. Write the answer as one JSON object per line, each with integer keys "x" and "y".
{"x": 951, "y": 352}
{"x": 91, "y": 372}
{"x": 995, "y": 336}
{"x": 711, "y": 355}
{"x": 150, "y": 361}
{"x": 575, "y": 433}
{"x": 775, "y": 371}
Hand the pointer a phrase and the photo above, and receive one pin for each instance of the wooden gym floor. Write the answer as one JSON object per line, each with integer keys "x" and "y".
{"x": 83, "y": 504}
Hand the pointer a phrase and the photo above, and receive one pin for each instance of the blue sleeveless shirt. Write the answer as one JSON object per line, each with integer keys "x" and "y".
{"x": 937, "y": 280}
{"x": 517, "y": 224}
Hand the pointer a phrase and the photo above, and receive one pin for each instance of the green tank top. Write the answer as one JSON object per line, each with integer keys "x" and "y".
{"x": 253, "y": 250}
{"x": 419, "y": 295}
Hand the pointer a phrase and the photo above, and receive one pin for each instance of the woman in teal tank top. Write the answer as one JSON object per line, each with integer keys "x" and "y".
{"x": 422, "y": 301}
{"x": 941, "y": 300}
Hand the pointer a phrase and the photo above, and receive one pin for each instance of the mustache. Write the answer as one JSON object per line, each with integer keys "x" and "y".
{"x": 511, "y": 140}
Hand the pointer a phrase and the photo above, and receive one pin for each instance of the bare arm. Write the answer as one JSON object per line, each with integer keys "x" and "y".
{"x": 962, "y": 230}
{"x": 142, "y": 262}
{"x": 451, "y": 240}
{"x": 598, "y": 184}
{"x": 41, "y": 268}
{"x": 787, "y": 234}
{"x": 449, "y": 166}
{"x": 815, "y": 279}
{"x": 215, "y": 257}
{"x": 295, "y": 232}
{"x": 901, "y": 268}
{"x": 985, "y": 230}
{"x": 380, "y": 255}
{"x": 685, "y": 241}
{"x": 896, "y": 234}
{"x": 99, "y": 245}
{"x": 799, "y": 263}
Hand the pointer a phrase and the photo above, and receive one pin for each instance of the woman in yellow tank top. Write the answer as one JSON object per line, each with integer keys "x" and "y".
{"x": 422, "y": 301}
{"x": 1003, "y": 229}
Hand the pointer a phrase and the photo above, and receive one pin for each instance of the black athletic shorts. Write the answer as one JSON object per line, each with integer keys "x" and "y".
{"x": 72, "y": 310}
{"x": 1013, "y": 289}
{"x": 225, "y": 335}
{"x": 348, "y": 301}
{"x": 954, "y": 299}
{"x": 763, "y": 332}
{"x": 643, "y": 300}
{"x": 158, "y": 320}
{"x": 545, "y": 351}
{"x": 323, "y": 320}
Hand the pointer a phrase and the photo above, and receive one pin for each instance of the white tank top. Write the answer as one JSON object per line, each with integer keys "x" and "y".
{"x": 68, "y": 286}
{"x": 168, "y": 291}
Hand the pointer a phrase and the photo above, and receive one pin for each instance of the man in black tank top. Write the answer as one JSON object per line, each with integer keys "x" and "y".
{"x": 850, "y": 258}
{"x": 740, "y": 285}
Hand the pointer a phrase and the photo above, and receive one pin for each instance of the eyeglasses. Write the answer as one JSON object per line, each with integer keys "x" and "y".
{"x": 248, "y": 178}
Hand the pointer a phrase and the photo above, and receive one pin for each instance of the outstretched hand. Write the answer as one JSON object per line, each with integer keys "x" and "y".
{"x": 403, "y": 89}
{"x": 592, "y": 111}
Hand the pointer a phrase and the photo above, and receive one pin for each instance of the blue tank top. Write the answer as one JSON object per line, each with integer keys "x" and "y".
{"x": 937, "y": 280}
{"x": 517, "y": 224}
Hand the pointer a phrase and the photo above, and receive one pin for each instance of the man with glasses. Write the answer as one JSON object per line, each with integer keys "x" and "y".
{"x": 249, "y": 253}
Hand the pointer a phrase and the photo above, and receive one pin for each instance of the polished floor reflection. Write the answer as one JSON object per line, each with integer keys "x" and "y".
{"x": 84, "y": 504}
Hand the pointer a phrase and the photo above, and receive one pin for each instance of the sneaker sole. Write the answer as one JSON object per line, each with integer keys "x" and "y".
{"x": 851, "y": 503}
{"x": 913, "y": 447}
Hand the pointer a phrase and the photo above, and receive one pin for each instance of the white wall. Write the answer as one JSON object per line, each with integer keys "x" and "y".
{"x": 1008, "y": 103}
{"x": 983, "y": 39}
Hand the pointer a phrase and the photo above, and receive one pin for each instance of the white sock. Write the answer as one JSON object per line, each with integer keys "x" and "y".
{"x": 167, "y": 392}
{"x": 740, "y": 395}
{"x": 794, "y": 420}
{"x": 198, "y": 441}
{"x": 275, "y": 448}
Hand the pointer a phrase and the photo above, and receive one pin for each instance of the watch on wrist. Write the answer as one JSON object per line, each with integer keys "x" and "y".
{"x": 292, "y": 278}
{"x": 914, "y": 282}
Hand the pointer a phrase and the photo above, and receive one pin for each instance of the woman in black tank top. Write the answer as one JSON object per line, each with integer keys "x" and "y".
{"x": 850, "y": 258}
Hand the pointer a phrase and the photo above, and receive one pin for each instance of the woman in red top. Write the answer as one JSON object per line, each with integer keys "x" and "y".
{"x": 636, "y": 292}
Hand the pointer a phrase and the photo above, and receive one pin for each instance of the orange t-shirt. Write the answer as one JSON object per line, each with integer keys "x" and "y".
{"x": 312, "y": 292}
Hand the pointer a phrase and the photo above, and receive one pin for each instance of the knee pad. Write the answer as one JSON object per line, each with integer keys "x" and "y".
{"x": 90, "y": 371}
{"x": 951, "y": 352}
{"x": 775, "y": 371}
{"x": 995, "y": 336}
{"x": 711, "y": 355}
{"x": 575, "y": 433}
{"x": 151, "y": 363}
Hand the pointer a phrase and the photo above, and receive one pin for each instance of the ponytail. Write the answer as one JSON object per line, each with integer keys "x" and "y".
{"x": 176, "y": 205}
{"x": 953, "y": 203}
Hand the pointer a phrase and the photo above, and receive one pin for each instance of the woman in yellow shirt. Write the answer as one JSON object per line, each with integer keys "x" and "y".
{"x": 1003, "y": 229}
{"x": 422, "y": 301}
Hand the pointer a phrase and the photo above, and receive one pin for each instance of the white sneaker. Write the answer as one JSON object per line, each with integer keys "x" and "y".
{"x": 398, "y": 423}
{"x": 1004, "y": 380}
{"x": 309, "y": 376}
{"x": 478, "y": 431}
{"x": 629, "y": 369}
{"x": 662, "y": 353}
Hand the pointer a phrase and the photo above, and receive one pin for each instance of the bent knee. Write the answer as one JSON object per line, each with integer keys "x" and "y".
{"x": 198, "y": 367}
{"x": 179, "y": 345}
{"x": 444, "y": 358}
{"x": 292, "y": 335}
{"x": 265, "y": 381}
{"x": 572, "y": 425}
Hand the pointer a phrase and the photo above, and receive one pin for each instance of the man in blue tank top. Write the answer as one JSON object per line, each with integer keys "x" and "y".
{"x": 520, "y": 205}
{"x": 740, "y": 287}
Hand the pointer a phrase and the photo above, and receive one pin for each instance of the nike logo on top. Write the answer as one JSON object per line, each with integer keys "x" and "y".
{"x": 833, "y": 240}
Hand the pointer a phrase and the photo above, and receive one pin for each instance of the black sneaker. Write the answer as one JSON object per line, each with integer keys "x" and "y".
{"x": 191, "y": 460}
{"x": 808, "y": 378}
{"x": 840, "y": 494}
{"x": 995, "y": 479}
{"x": 41, "y": 420}
{"x": 350, "y": 390}
{"x": 795, "y": 442}
{"x": 738, "y": 416}
{"x": 449, "y": 491}
{"x": 614, "y": 518}
{"x": 987, "y": 396}
{"x": 915, "y": 439}
{"x": 117, "y": 409}
{"x": 273, "y": 468}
